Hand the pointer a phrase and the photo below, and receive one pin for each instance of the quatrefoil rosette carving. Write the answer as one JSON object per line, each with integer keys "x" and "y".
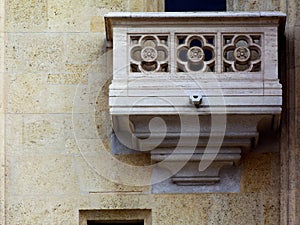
{"x": 242, "y": 53}
{"x": 149, "y": 54}
{"x": 195, "y": 53}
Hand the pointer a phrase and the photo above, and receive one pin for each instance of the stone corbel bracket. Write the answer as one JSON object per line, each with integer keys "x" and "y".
{"x": 187, "y": 69}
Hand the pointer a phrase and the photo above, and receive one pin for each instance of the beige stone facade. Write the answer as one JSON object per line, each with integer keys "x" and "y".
{"x": 55, "y": 72}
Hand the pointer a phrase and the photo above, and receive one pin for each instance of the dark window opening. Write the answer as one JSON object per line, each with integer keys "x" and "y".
{"x": 194, "y": 5}
{"x": 94, "y": 222}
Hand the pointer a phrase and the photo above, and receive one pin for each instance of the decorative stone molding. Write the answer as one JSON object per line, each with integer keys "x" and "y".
{"x": 211, "y": 78}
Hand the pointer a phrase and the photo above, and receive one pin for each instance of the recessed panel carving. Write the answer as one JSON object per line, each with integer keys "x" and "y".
{"x": 242, "y": 53}
{"x": 149, "y": 53}
{"x": 195, "y": 53}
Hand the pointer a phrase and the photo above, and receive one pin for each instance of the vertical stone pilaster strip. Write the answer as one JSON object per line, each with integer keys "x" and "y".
{"x": 290, "y": 144}
{"x": 2, "y": 112}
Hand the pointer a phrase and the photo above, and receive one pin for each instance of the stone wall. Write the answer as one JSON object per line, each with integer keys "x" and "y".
{"x": 54, "y": 103}
{"x": 2, "y": 112}
{"x": 256, "y": 5}
{"x": 290, "y": 123}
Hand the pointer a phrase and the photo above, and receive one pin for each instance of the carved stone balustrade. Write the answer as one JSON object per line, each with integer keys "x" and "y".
{"x": 194, "y": 89}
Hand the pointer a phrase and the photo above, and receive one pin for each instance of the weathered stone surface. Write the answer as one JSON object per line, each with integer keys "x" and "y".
{"x": 83, "y": 126}
{"x": 169, "y": 209}
{"x": 75, "y": 74}
{"x": 97, "y": 24}
{"x": 83, "y": 48}
{"x": 90, "y": 180}
{"x": 26, "y": 93}
{"x": 154, "y": 6}
{"x": 3, "y": 95}
{"x": 26, "y": 15}
{"x": 100, "y": 102}
{"x": 35, "y": 53}
{"x": 104, "y": 127}
{"x": 110, "y": 5}
{"x": 230, "y": 209}
{"x": 271, "y": 209}
{"x": 254, "y": 5}
{"x": 67, "y": 99}
{"x": 44, "y": 210}
{"x": 68, "y": 16}
{"x": 136, "y": 6}
{"x": 259, "y": 173}
{"x": 44, "y": 175}
{"x": 13, "y": 128}
{"x": 297, "y": 55}
{"x": 42, "y": 134}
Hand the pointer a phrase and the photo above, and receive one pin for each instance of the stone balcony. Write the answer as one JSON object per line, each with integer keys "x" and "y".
{"x": 194, "y": 89}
